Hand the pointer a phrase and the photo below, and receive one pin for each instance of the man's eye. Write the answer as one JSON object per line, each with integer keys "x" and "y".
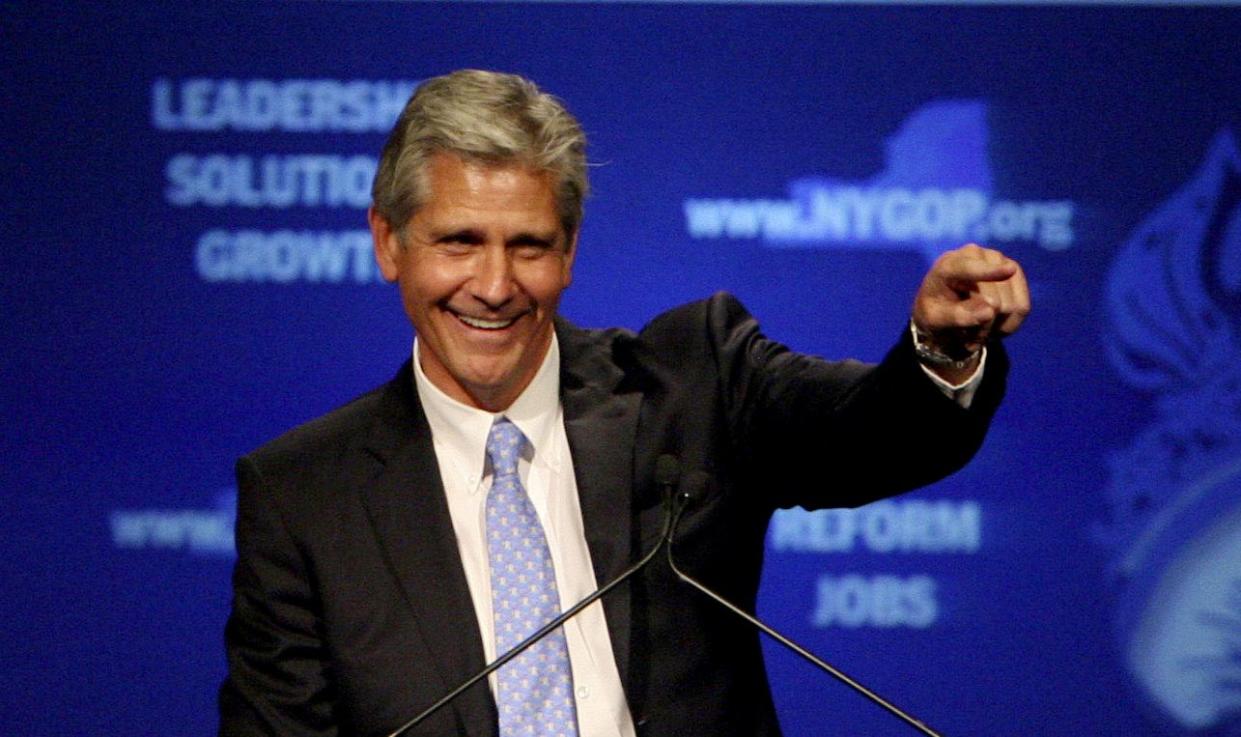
{"x": 531, "y": 250}
{"x": 531, "y": 247}
{"x": 455, "y": 244}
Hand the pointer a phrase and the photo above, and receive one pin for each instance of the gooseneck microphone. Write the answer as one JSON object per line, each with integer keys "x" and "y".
{"x": 667, "y": 473}
{"x": 689, "y": 494}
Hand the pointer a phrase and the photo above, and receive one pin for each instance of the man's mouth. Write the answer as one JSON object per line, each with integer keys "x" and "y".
{"x": 485, "y": 324}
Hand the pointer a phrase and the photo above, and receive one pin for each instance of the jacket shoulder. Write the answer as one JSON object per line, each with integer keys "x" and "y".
{"x": 721, "y": 308}
{"x": 704, "y": 324}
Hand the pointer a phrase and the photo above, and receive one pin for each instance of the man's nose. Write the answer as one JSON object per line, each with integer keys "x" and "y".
{"x": 493, "y": 278}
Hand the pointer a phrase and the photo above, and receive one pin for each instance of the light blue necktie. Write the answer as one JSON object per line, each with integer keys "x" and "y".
{"x": 534, "y": 691}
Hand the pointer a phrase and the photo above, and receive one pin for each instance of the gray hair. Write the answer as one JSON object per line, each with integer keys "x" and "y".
{"x": 485, "y": 117}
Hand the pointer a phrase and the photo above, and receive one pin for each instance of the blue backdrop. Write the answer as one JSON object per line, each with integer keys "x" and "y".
{"x": 185, "y": 275}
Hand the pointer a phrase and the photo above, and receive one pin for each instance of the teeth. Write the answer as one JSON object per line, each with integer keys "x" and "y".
{"x": 486, "y": 324}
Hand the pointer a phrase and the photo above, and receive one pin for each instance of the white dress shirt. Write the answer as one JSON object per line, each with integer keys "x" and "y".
{"x": 459, "y": 433}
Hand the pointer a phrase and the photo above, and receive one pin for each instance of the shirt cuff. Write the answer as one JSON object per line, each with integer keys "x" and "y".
{"x": 963, "y": 393}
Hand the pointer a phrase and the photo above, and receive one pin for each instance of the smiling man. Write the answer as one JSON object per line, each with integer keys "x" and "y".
{"x": 390, "y": 549}
{"x": 481, "y": 266}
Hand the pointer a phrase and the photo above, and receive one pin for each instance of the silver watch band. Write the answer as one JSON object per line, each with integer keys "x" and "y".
{"x": 931, "y": 357}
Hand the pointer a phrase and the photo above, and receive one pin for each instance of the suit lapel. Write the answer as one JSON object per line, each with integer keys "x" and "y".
{"x": 409, "y": 513}
{"x": 600, "y": 421}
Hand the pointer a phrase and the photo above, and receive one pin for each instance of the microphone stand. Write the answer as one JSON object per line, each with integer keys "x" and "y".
{"x": 683, "y": 500}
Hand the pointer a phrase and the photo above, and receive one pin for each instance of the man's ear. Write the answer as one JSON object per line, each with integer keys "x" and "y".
{"x": 566, "y": 274}
{"x": 387, "y": 244}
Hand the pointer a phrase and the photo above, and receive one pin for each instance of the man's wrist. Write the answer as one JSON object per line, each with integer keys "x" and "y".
{"x": 931, "y": 355}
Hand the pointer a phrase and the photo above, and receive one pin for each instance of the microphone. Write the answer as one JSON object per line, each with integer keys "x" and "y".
{"x": 691, "y": 492}
{"x": 667, "y": 473}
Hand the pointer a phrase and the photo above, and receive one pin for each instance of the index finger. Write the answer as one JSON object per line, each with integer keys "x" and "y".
{"x": 965, "y": 269}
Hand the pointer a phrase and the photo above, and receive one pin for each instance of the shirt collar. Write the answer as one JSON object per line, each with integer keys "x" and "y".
{"x": 462, "y": 430}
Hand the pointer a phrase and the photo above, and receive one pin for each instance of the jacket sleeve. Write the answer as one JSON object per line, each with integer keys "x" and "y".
{"x": 841, "y": 433}
{"x": 277, "y": 682}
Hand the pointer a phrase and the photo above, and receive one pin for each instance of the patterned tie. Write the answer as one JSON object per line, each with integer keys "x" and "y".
{"x": 534, "y": 690}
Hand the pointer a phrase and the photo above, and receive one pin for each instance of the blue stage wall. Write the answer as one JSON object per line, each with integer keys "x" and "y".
{"x": 186, "y": 273}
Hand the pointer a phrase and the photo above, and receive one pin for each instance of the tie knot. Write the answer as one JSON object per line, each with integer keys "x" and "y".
{"x": 504, "y": 444}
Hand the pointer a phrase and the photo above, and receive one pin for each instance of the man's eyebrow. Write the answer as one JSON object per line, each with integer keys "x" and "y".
{"x": 526, "y": 238}
{"x": 463, "y": 235}
{"x": 549, "y": 238}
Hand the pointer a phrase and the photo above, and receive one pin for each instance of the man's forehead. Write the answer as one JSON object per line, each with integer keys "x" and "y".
{"x": 462, "y": 193}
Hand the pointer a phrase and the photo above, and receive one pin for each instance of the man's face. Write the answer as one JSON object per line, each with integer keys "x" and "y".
{"x": 481, "y": 270}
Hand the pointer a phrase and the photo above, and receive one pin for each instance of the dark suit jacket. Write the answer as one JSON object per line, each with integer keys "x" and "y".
{"x": 351, "y": 611}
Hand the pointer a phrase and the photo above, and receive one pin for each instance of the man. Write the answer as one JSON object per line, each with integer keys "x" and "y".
{"x": 376, "y": 545}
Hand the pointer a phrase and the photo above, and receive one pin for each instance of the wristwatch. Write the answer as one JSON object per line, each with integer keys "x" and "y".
{"x": 933, "y": 357}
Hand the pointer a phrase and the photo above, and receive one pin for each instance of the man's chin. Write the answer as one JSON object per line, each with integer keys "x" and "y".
{"x": 493, "y": 396}
{"x": 482, "y": 380}
{"x": 490, "y": 371}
